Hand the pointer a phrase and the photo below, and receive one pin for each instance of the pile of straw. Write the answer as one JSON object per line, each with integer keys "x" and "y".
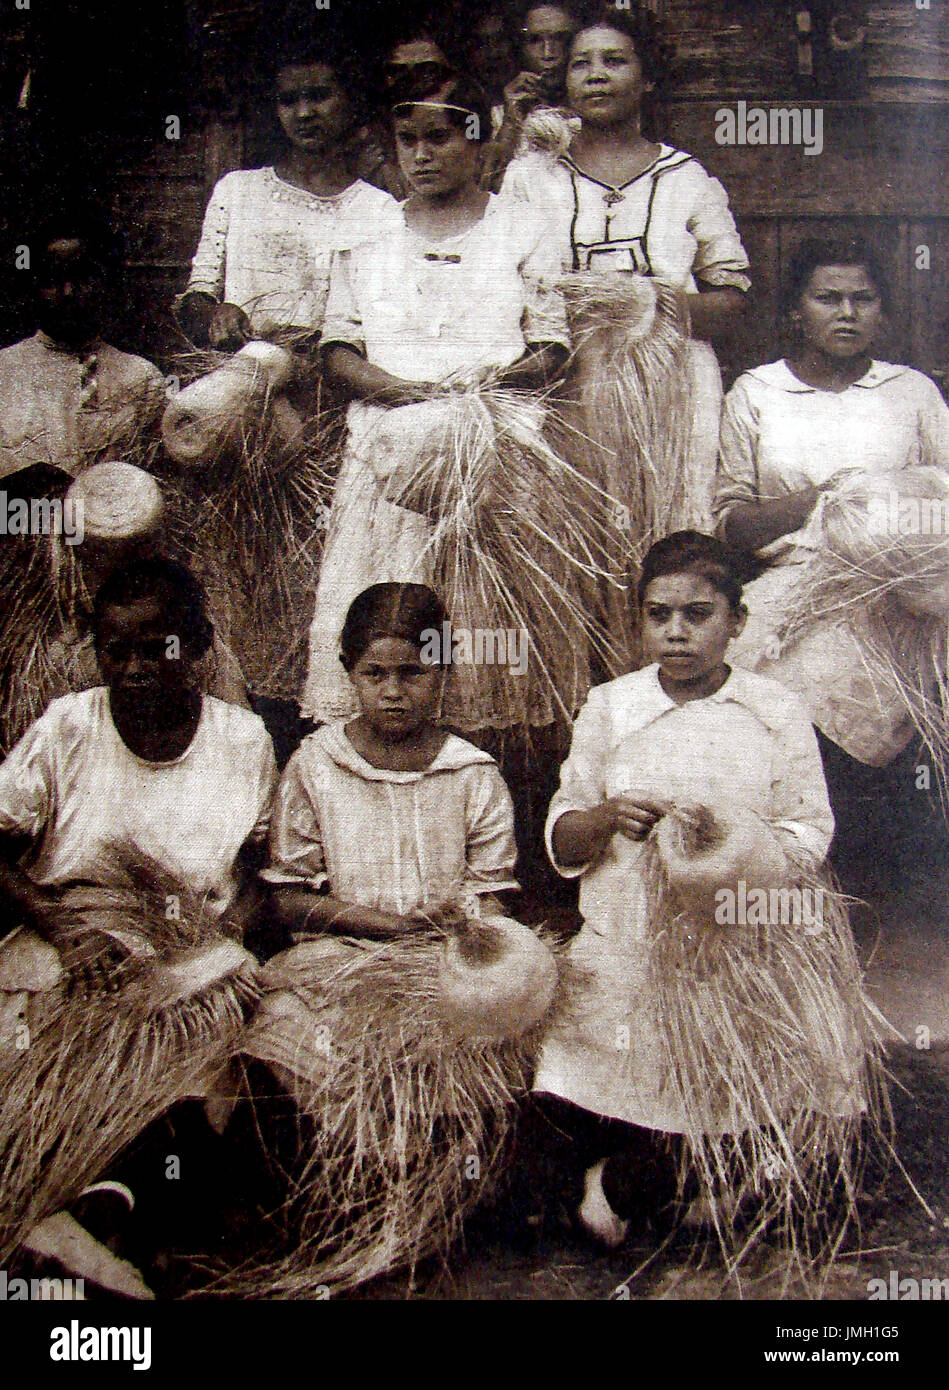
{"x": 251, "y": 502}
{"x": 890, "y": 582}
{"x": 101, "y": 1069}
{"x": 515, "y": 529}
{"x": 772, "y": 1046}
{"x": 406, "y": 1088}
{"x": 634, "y": 373}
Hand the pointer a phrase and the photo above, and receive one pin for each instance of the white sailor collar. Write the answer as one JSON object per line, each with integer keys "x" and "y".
{"x": 779, "y": 375}
{"x": 454, "y": 754}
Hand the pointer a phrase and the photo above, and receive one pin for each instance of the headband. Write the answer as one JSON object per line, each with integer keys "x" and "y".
{"x": 434, "y": 105}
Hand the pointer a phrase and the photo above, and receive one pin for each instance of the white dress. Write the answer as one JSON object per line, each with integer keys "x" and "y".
{"x": 73, "y": 787}
{"x": 750, "y": 743}
{"x": 394, "y": 841}
{"x": 672, "y": 221}
{"x": 266, "y": 245}
{"x": 422, "y": 311}
{"x": 779, "y": 436}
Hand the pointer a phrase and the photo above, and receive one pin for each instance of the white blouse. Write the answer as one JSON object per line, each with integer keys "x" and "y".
{"x": 750, "y": 744}
{"x": 672, "y": 221}
{"x": 392, "y": 840}
{"x": 77, "y": 791}
{"x": 267, "y": 245}
{"x": 423, "y": 309}
{"x": 780, "y": 435}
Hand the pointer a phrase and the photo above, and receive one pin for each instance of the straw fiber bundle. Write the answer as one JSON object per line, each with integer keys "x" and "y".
{"x": 514, "y": 531}
{"x": 404, "y": 1060}
{"x": 881, "y": 563}
{"x": 251, "y": 499}
{"x": 772, "y": 1046}
{"x": 100, "y": 1069}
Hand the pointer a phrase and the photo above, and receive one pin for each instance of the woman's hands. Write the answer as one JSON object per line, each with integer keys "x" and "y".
{"x": 581, "y": 837}
{"x": 753, "y": 525}
{"x": 228, "y": 328}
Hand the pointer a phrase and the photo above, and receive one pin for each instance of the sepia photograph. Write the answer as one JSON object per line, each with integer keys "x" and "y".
{"x": 474, "y": 666}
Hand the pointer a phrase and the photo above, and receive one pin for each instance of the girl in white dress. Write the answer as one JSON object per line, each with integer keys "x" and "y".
{"x": 458, "y": 291}
{"x": 263, "y": 260}
{"x": 685, "y": 731}
{"x": 792, "y": 431}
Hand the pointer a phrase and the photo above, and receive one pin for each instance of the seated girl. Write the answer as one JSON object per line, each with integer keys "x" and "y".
{"x": 140, "y": 776}
{"x": 394, "y": 1022}
{"x": 689, "y": 744}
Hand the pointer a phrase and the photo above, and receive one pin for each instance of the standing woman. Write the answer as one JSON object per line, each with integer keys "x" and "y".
{"x": 457, "y": 296}
{"x": 628, "y": 209}
{"x": 802, "y": 440}
{"x": 262, "y": 264}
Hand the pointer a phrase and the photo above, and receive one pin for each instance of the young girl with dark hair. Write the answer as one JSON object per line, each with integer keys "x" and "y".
{"x": 262, "y": 264}
{"x": 636, "y": 1068}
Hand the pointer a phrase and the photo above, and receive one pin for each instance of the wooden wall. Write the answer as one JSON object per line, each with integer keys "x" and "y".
{"x": 882, "y": 171}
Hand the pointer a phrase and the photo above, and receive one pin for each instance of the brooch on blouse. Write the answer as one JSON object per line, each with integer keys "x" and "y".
{"x": 449, "y": 258}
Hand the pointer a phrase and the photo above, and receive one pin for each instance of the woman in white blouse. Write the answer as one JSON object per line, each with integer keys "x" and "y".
{"x": 262, "y": 264}
{"x": 789, "y": 429}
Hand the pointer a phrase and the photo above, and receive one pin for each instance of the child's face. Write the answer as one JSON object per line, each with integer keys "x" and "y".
{"x": 144, "y": 662}
{"x": 436, "y": 158}
{"x": 312, "y": 107}
{"x": 398, "y": 693}
{"x": 687, "y": 625}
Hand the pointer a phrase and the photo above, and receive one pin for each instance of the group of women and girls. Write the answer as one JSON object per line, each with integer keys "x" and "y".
{"x": 392, "y": 821}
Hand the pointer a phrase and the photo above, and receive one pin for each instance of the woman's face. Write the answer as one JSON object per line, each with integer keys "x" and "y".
{"x": 687, "y": 625}
{"x": 312, "y": 107}
{"x": 604, "y": 77}
{"x": 839, "y": 311}
{"x": 398, "y": 693}
{"x": 436, "y": 158}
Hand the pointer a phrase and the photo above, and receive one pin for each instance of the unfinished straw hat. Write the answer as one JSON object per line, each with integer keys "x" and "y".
{"x": 118, "y": 502}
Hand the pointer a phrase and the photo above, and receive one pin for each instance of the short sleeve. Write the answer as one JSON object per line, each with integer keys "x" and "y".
{"x": 28, "y": 782}
{"x": 343, "y": 321}
{"x": 209, "y": 264}
{"x": 490, "y": 849}
{"x": 720, "y": 259}
{"x": 800, "y": 806}
{"x": 582, "y": 779}
{"x": 296, "y": 844}
{"x": 736, "y": 478}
